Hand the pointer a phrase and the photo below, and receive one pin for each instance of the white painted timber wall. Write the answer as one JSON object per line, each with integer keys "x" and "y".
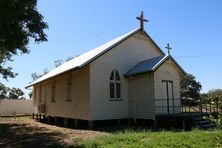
{"x": 122, "y": 57}
{"x": 142, "y": 99}
{"x": 167, "y": 71}
{"x": 20, "y": 107}
{"x": 78, "y": 108}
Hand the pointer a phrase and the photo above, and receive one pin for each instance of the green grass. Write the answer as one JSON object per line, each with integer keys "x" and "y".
{"x": 139, "y": 139}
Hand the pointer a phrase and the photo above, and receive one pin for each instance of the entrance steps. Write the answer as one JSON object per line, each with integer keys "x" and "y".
{"x": 202, "y": 123}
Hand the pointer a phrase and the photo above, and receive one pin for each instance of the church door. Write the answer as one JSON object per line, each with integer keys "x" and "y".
{"x": 168, "y": 96}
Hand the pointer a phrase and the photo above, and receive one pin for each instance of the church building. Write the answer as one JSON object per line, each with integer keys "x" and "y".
{"x": 129, "y": 77}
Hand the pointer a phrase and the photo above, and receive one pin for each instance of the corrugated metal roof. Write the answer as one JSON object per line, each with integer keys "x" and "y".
{"x": 84, "y": 59}
{"x": 150, "y": 65}
{"x": 145, "y": 66}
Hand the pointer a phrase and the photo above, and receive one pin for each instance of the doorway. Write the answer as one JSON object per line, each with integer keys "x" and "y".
{"x": 168, "y": 96}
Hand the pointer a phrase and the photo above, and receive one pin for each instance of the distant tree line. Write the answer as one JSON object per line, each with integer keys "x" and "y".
{"x": 190, "y": 88}
{"x": 57, "y": 63}
{"x": 10, "y": 93}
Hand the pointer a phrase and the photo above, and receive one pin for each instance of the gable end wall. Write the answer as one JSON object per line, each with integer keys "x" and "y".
{"x": 122, "y": 57}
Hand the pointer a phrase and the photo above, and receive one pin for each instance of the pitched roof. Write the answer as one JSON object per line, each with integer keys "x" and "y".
{"x": 88, "y": 57}
{"x": 151, "y": 65}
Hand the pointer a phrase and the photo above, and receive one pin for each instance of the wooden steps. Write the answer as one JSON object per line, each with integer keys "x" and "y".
{"x": 203, "y": 123}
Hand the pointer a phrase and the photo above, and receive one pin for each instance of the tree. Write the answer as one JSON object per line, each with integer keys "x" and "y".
{"x": 30, "y": 95}
{"x": 35, "y": 76}
{"x": 69, "y": 58}
{"x": 15, "y": 93}
{"x": 215, "y": 95}
{"x": 190, "y": 87}
{"x": 3, "y": 91}
{"x": 45, "y": 71}
{"x": 20, "y": 21}
{"x": 58, "y": 62}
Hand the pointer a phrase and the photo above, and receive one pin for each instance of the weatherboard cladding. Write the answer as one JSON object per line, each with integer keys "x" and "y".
{"x": 89, "y": 56}
{"x": 122, "y": 57}
{"x": 168, "y": 71}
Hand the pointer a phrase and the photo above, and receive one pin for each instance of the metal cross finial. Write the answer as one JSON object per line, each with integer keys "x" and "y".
{"x": 168, "y": 48}
{"x": 142, "y": 20}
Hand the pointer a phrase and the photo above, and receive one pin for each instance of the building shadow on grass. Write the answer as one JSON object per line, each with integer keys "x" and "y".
{"x": 22, "y": 135}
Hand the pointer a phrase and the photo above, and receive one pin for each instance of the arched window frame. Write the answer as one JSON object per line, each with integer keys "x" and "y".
{"x": 115, "y": 85}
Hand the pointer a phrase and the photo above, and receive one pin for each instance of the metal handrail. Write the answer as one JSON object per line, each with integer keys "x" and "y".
{"x": 174, "y": 105}
{"x": 187, "y": 105}
{"x": 201, "y": 107}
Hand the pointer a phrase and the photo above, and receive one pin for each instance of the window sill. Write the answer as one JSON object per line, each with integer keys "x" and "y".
{"x": 115, "y": 99}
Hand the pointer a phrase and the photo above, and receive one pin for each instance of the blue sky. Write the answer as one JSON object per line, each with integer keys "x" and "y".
{"x": 193, "y": 29}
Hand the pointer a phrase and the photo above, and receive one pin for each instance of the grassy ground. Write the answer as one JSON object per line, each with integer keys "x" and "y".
{"x": 24, "y": 132}
{"x": 132, "y": 139}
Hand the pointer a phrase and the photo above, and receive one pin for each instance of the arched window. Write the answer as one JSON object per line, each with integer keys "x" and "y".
{"x": 115, "y": 87}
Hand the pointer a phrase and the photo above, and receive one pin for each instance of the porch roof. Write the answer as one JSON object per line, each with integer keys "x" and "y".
{"x": 151, "y": 65}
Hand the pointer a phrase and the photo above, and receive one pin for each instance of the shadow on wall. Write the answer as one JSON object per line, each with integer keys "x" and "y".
{"x": 23, "y": 135}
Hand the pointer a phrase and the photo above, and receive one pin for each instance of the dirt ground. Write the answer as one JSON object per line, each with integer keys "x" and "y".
{"x": 26, "y": 132}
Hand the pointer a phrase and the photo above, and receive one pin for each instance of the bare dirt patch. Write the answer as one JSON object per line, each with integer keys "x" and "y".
{"x": 25, "y": 132}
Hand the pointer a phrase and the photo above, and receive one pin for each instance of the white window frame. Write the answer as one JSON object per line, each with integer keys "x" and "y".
{"x": 116, "y": 80}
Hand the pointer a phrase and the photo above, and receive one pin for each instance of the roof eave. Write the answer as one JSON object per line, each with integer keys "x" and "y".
{"x": 35, "y": 83}
{"x": 139, "y": 73}
{"x": 164, "y": 59}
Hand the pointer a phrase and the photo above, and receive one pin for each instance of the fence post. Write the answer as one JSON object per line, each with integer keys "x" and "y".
{"x": 14, "y": 115}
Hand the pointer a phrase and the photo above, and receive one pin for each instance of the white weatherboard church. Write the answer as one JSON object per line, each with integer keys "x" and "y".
{"x": 127, "y": 78}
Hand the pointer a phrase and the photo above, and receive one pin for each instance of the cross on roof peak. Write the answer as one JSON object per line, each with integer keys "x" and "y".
{"x": 168, "y": 48}
{"x": 142, "y": 20}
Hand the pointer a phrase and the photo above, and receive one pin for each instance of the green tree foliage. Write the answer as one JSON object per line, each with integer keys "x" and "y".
{"x": 10, "y": 93}
{"x": 215, "y": 95}
{"x": 20, "y": 21}
{"x": 190, "y": 87}
{"x": 15, "y": 93}
{"x": 35, "y": 76}
{"x": 3, "y": 91}
{"x": 58, "y": 62}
